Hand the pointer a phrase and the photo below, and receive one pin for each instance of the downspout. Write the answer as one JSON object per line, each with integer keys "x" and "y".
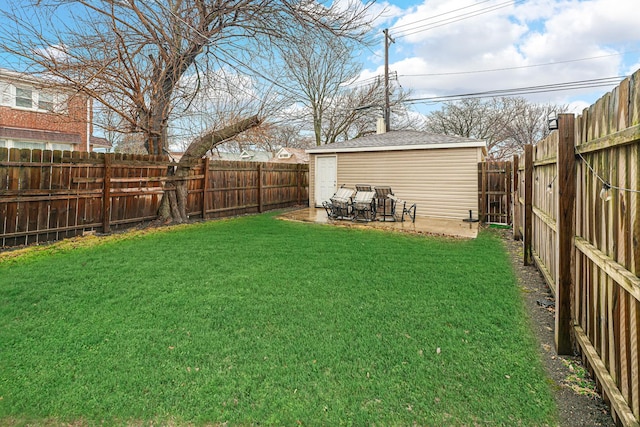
{"x": 88, "y": 124}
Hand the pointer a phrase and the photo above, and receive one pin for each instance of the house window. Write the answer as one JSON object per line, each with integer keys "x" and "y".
{"x": 284, "y": 155}
{"x": 24, "y": 97}
{"x": 30, "y": 145}
{"x": 60, "y": 104}
{"x": 61, "y": 147}
{"x": 45, "y": 101}
{"x": 5, "y": 94}
{"x": 3, "y": 143}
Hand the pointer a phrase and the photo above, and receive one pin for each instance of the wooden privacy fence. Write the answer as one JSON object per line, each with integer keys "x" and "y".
{"x": 494, "y": 192}
{"x": 49, "y": 195}
{"x": 577, "y": 207}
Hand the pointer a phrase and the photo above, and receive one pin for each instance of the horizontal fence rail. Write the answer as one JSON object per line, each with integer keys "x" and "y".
{"x": 50, "y": 195}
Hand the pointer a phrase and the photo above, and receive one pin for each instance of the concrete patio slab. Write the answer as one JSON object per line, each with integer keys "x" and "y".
{"x": 422, "y": 225}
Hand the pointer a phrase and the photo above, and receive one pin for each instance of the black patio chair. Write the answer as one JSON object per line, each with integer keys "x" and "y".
{"x": 339, "y": 205}
{"x": 409, "y": 211}
{"x": 385, "y": 206}
{"x": 364, "y": 206}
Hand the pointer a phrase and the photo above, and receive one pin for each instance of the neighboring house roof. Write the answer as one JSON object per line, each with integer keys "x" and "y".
{"x": 175, "y": 156}
{"x": 99, "y": 142}
{"x": 37, "y": 134}
{"x": 290, "y": 155}
{"x": 42, "y": 79}
{"x": 399, "y": 140}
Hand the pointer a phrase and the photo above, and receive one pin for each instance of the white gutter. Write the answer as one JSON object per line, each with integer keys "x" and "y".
{"x": 396, "y": 147}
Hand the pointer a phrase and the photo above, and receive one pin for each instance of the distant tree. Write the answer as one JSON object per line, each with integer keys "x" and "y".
{"x": 506, "y": 124}
{"x": 369, "y": 102}
{"x": 269, "y": 137}
{"x": 528, "y": 125}
{"x": 320, "y": 75}
{"x": 317, "y": 68}
{"x": 131, "y": 56}
{"x": 130, "y": 143}
{"x": 291, "y": 136}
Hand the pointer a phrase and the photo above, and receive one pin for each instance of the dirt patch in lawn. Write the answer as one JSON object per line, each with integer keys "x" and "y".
{"x": 578, "y": 402}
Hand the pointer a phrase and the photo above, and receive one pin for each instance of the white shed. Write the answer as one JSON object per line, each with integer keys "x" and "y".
{"x": 437, "y": 172}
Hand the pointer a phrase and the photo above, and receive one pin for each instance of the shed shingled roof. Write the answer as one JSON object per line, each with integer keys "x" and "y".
{"x": 402, "y": 139}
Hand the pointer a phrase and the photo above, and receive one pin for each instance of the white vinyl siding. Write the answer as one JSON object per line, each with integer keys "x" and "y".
{"x": 442, "y": 182}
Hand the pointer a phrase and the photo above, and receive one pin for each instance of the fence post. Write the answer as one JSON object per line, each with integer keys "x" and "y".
{"x": 566, "y": 179}
{"x": 299, "y": 182}
{"x": 528, "y": 202}
{"x": 106, "y": 194}
{"x": 259, "y": 187}
{"x": 482, "y": 214}
{"x": 517, "y": 233}
{"x": 205, "y": 181}
{"x": 507, "y": 185}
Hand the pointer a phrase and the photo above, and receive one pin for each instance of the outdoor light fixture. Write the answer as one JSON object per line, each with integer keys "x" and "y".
{"x": 552, "y": 118}
{"x": 605, "y": 193}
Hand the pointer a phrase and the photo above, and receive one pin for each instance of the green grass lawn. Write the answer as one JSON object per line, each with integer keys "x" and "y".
{"x": 259, "y": 321}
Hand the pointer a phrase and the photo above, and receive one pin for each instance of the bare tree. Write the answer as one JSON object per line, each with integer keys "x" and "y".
{"x": 357, "y": 111}
{"x": 318, "y": 67}
{"x": 528, "y": 125}
{"x": 322, "y": 73}
{"x": 506, "y": 124}
{"x": 289, "y": 135}
{"x": 132, "y": 55}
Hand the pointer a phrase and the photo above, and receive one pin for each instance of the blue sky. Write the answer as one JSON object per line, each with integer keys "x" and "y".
{"x": 451, "y": 47}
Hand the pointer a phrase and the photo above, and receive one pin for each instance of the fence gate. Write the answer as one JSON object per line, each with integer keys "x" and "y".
{"x": 494, "y": 192}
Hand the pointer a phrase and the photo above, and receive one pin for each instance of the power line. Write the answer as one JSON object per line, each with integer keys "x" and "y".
{"x": 555, "y": 87}
{"x": 377, "y": 79}
{"x": 458, "y": 18}
{"x": 366, "y": 82}
{"x": 453, "y": 73}
{"x": 439, "y": 15}
{"x": 452, "y": 19}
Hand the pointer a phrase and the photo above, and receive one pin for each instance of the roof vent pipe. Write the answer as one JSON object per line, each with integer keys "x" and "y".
{"x": 380, "y": 126}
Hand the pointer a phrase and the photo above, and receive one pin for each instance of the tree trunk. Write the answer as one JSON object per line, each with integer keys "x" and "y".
{"x": 173, "y": 207}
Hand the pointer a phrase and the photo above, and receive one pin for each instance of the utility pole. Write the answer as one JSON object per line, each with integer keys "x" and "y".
{"x": 387, "y": 108}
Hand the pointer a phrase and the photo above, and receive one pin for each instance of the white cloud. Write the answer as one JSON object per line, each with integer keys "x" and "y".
{"x": 581, "y": 39}
{"x": 384, "y": 13}
{"x": 54, "y": 52}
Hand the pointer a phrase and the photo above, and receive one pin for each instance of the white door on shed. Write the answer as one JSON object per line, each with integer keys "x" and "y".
{"x": 326, "y": 176}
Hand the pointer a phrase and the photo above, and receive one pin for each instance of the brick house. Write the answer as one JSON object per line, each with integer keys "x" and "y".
{"x": 36, "y": 117}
